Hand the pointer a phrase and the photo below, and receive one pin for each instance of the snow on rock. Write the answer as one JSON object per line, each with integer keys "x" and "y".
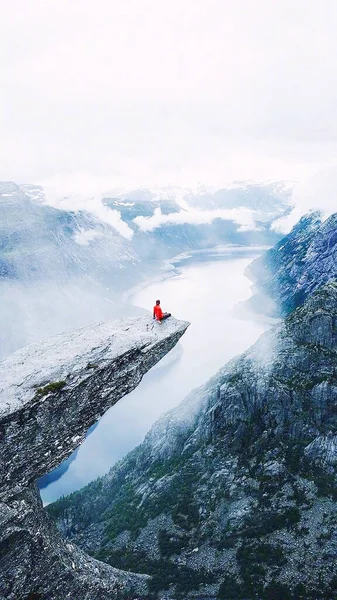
{"x": 58, "y": 388}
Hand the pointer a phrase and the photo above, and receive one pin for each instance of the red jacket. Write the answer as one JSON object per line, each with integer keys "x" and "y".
{"x": 157, "y": 312}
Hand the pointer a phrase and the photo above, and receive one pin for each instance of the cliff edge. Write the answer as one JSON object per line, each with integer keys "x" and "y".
{"x": 50, "y": 394}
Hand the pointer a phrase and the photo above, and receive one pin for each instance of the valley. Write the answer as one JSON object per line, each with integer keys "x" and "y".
{"x": 206, "y": 287}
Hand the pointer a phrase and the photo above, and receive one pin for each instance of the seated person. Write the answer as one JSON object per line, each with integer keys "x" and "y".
{"x": 158, "y": 313}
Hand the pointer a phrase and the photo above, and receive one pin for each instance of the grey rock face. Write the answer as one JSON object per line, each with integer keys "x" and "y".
{"x": 232, "y": 494}
{"x": 50, "y": 394}
{"x": 300, "y": 263}
{"x": 36, "y": 560}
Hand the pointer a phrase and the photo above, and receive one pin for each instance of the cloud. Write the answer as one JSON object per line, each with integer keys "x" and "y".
{"x": 83, "y": 237}
{"x": 147, "y": 92}
{"x": 83, "y": 192}
{"x": 318, "y": 193}
{"x": 242, "y": 216}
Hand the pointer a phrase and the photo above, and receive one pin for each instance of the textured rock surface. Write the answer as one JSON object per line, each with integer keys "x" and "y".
{"x": 232, "y": 495}
{"x": 50, "y": 394}
{"x": 299, "y": 264}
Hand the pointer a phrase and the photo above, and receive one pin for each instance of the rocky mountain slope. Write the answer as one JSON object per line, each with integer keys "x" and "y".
{"x": 300, "y": 263}
{"x": 232, "y": 495}
{"x": 50, "y": 394}
{"x": 38, "y": 241}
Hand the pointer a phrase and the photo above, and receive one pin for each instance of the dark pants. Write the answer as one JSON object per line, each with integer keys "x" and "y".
{"x": 165, "y": 316}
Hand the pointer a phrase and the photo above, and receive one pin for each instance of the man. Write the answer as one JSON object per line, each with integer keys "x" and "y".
{"x": 158, "y": 313}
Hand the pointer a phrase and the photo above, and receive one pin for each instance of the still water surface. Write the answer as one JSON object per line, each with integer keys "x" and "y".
{"x": 205, "y": 291}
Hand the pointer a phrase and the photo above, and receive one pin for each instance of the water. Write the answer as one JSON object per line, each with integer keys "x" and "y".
{"x": 205, "y": 292}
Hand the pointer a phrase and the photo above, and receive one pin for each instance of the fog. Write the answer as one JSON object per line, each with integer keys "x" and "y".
{"x": 30, "y": 312}
{"x": 318, "y": 193}
{"x": 147, "y": 92}
{"x": 242, "y": 216}
{"x": 89, "y": 200}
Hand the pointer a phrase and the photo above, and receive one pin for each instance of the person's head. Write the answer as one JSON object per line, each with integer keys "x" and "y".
{"x": 157, "y": 302}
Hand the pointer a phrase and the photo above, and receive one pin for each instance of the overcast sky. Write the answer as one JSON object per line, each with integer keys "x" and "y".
{"x": 150, "y": 92}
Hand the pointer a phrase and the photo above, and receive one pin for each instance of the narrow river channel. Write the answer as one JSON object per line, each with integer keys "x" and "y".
{"x": 204, "y": 290}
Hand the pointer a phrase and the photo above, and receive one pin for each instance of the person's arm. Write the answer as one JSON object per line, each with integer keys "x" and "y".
{"x": 154, "y": 314}
{"x": 160, "y": 313}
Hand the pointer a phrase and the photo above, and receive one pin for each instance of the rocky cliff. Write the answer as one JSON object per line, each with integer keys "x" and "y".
{"x": 300, "y": 263}
{"x": 50, "y": 394}
{"x": 232, "y": 495}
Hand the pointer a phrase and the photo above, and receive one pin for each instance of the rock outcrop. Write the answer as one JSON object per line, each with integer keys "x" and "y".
{"x": 232, "y": 495}
{"x": 50, "y": 394}
{"x": 300, "y": 263}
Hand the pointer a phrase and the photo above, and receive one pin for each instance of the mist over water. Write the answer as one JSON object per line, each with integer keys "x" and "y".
{"x": 205, "y": 292}
{"x": 37, "y": 310}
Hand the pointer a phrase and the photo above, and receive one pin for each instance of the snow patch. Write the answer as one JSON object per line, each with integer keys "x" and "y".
{"x": 59, "y": 197}
{"x": 84, "y": 237}
{"x": 244, "y": 217}
{"x": 120, "y": 203}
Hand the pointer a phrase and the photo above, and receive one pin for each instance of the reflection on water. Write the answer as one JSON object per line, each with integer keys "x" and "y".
{"x": 204, "y": 293}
